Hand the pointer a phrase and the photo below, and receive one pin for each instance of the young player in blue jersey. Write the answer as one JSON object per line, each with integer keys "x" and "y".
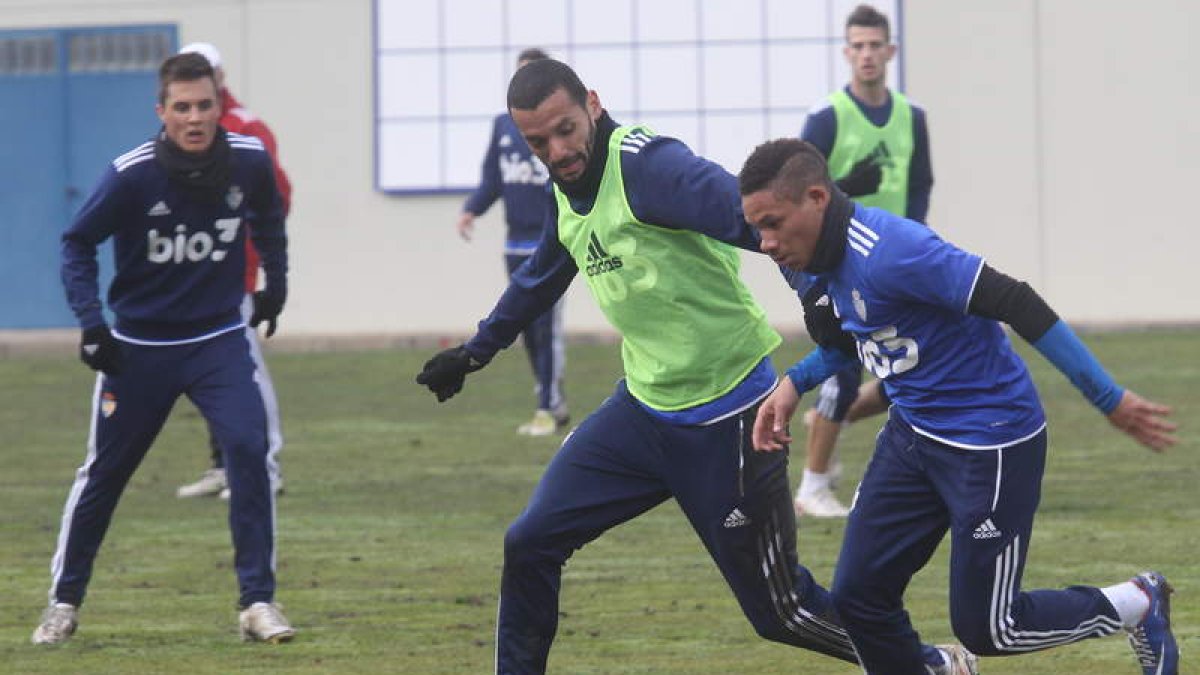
{"x": 652, "y": 228}
{"x": 965, "y": 446}
{"x": 176, "y": 208}
{"x": 877, "y": 145}
{"x": 512, "y": 172}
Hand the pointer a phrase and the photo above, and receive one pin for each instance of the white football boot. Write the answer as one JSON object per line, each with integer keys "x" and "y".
{"x": 263, "y": 622}
{"x": 59, "y": 622}
{"x": 211, "y": 483}
{"x": 820, "y": 504}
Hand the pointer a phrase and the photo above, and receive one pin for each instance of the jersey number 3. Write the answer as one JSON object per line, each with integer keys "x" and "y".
{"x": 885, "y": 354}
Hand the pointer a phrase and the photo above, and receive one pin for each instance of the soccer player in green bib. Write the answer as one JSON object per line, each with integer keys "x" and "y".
{"x": 877, "y": 145}
{"x": 654, "y": 229}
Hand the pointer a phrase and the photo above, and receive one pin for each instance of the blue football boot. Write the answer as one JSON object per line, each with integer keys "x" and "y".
{"x": 1152, "y": 640}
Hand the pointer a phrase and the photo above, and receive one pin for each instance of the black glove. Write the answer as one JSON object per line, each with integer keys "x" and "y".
{"x": 824, "y": 327}
{"x": 267, "y": 306}
{"x": 863, "y": 179}
{"x": 100, "y": 350}
{"x": 445, "y": 372}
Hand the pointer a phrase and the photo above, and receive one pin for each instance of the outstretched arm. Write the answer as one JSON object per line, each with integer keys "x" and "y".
{"x": 1000, "y": 297}
{"x": 534, "y": 288}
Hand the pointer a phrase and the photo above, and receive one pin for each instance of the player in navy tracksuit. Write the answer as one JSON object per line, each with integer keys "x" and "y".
{"x": 177, "y": 209}
{"x": 964, "y": 448}
{"x": 510, "y": 171}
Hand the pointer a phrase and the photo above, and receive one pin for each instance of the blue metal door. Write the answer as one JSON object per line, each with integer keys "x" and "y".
{"x": 71, "y": 100}
{"x": 33, "y": 176}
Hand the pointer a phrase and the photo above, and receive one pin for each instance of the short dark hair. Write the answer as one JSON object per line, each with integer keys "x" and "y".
{"x": 532, "y": 54}
{"x": 867, "y": 16}
{"x": 536, "y": 81}
{"x": 187, "y": 67}
{"x": 786, "y": 166}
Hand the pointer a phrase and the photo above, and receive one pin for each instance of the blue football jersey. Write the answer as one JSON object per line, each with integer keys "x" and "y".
{"x": 903, "y": 293}
{"x": 180, "y": 262}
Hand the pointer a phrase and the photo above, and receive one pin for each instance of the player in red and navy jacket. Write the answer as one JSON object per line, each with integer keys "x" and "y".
{"x": 177, "y": 209}
{"x": 235, "y": 118}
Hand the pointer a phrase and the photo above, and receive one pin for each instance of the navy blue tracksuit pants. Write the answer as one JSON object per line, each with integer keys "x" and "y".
{"x": 544, "y": 344}
{"x": 913, "y": 491}
{"x": 620, "y": 463}
{"x": 129, "y": 410}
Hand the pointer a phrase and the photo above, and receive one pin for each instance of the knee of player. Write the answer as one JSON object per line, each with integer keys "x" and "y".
{"x": 851, "y": 601}
{"x": 773, "y": 629}
{"x": 976, "y": 636}
{"x": 525, "y": 541}
{"x": 516, "y": 539}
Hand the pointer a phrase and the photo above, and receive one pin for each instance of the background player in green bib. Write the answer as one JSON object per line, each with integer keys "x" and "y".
{"x": 877, "y": 145}
{"x": 652, "y": 228}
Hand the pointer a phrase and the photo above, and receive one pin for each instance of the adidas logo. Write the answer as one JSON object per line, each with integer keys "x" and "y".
{"x": 986, "y": 530}
{"x": 599, "y": 261}
{"x": 736, "y": 519}
{"x": 159, "y": 209}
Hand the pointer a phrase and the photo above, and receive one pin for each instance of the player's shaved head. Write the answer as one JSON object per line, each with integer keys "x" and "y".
{"x": 786, "y": 166}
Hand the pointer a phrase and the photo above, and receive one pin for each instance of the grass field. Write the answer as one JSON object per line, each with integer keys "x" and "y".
{"x": 390, "y": 532}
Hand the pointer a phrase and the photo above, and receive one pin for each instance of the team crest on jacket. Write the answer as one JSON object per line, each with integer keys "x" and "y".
{"x": 108, "y": 404}
{"x": 860, "y": 305}
{"x": 234, "y": 197}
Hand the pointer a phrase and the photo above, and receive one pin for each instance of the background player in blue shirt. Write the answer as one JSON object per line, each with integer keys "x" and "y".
{"x": 880, "y": 155}
{"x": 965, "y": 446}
{"x": 177, "y": 208}
{"x": 512, "y": 172}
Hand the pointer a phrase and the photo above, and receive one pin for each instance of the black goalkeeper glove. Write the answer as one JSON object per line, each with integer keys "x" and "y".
{"x": 267, "y": 306}
{"x": 863, "y": 179}
{"x": 824, "y": 327}
{"x": 100, "y": 350}
{"x": 445, "y": 373}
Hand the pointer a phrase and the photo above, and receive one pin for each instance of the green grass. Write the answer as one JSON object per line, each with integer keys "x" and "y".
{"x": 390, "y": 532}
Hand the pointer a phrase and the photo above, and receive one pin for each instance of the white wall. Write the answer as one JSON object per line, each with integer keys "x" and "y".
{"x": 1059, "y": 132}
{"x": 1063, "y": 146}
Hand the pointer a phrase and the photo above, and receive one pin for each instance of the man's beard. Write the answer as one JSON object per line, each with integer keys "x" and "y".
{"x": 585, "y": 156}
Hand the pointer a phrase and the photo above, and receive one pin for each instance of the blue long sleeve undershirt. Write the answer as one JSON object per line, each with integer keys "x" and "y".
{"x": 1066, "y": 352}
{"x": 818, "y": 366}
